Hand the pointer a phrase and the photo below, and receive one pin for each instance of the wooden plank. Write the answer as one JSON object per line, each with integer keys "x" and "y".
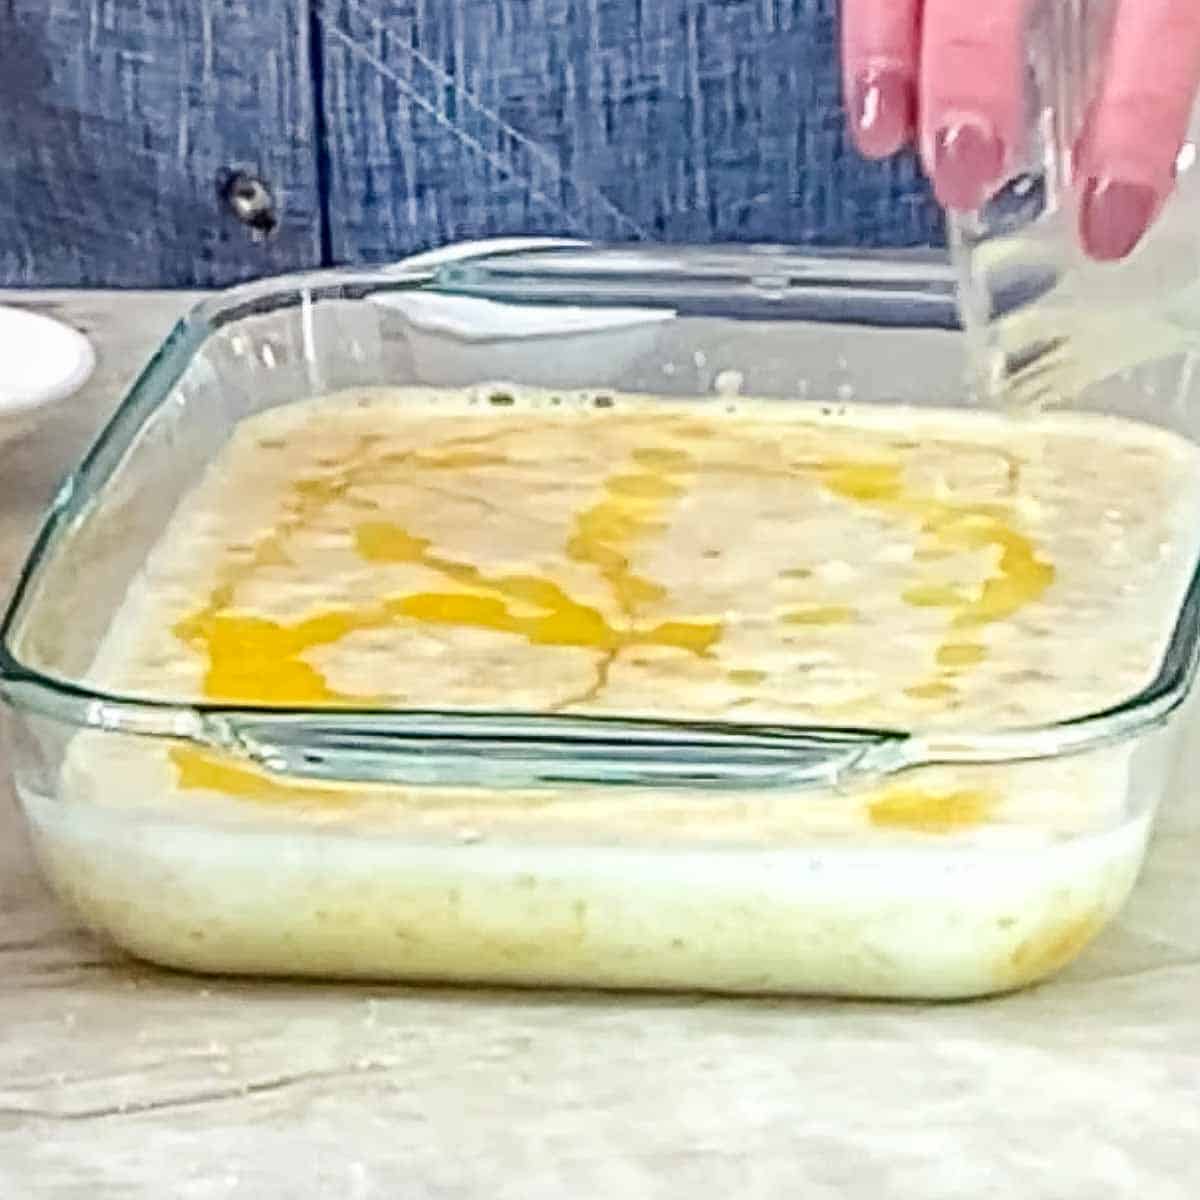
{"x": 677, "y": 120}
{"x": 116, "y": 117}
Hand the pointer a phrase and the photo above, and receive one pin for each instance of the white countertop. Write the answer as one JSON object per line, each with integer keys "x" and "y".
{"x": 119, "y": 1082}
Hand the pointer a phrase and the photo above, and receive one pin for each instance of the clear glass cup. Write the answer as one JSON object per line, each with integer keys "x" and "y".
{"x": 1045, "y": 323}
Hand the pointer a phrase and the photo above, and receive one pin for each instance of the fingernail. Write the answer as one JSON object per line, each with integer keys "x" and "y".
{"x": 1114, "y": 216}
{"x": 967, "y": 161}
{"x": 882, "y": 106}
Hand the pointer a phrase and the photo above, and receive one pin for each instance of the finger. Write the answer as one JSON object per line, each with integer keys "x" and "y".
{"x": 972, "y": 101}
{"x": 1139, "y": 122}
{"x": 879, "y": 65}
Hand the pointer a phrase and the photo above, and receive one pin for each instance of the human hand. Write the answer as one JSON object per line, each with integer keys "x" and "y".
{"x": 949, "y": 74}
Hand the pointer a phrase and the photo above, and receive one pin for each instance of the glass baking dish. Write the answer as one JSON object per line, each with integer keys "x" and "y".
{"x": 487, "y": 843}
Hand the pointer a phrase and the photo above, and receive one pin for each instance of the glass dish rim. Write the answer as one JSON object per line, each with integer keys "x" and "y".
{"x": 847, "y": 281}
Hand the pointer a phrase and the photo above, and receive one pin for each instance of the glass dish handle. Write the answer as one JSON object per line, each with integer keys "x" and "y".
{"x": 489, "y": 752}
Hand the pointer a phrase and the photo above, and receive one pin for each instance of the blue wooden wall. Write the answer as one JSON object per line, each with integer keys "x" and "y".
{"x": 382, "y": 127}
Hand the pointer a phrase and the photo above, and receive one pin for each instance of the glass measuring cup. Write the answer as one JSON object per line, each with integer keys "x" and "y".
{"x": 1044, "y": 322}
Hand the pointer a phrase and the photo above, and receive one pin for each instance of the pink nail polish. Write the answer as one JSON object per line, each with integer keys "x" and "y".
{"x": 882, "y": 107}
{"x": 1114, "y": 216}
{"x": 967, "y": 161}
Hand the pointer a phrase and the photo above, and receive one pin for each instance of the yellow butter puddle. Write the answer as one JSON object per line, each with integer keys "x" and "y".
{"x": 926, "y": 810}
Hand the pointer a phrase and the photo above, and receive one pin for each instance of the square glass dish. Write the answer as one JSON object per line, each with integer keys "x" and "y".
{"x": 628, "y": 617}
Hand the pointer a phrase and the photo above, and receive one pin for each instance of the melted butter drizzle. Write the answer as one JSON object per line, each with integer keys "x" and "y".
{"x": 1020, "y": 577}
{"x": 257, "y": 660}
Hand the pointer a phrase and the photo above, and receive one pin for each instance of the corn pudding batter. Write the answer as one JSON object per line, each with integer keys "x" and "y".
{"x": 750, "y": 563}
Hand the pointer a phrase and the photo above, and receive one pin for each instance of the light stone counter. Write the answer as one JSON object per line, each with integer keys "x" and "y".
{"x": 119, "y": 1082}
